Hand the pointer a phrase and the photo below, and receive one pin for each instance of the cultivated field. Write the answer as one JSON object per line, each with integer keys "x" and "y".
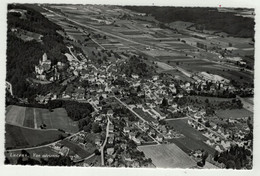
{"x": 167, "y": 156}
{"x": 15, "y": 115}
{"x": 58, "y": 119}
{"x": 35, "y": 117}
{"x": 19, "y": 137}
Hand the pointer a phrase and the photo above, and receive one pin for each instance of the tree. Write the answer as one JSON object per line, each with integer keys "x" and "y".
{"x": 207, "y": 124}
{"x": 138, "y": 89}
{"x": 164, "y": 102}
{"x": 96, "y": 128}
{"x": 230, "y": 164}
{"x": 97, "y": 152}
{"x": 87, "y": 128}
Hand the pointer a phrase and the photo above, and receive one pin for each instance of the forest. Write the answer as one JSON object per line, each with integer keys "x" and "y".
{"x": 136, "y": 66}
{"x": 209, "y": 18}
{"x": 22, "y": 55}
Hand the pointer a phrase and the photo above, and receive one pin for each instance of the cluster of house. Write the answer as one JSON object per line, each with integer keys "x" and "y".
{"x": 116, "y": 142}
{"x": 63, "y": 151}
{"x": 131, "y": 131}
{"x": 219, "y": 138}
{"x": 154, "y": 91}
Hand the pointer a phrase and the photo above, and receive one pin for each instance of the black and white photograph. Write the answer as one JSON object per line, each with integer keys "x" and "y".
{"x": 129, "y": 86}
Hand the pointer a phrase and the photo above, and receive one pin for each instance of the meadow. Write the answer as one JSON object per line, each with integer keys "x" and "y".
{"x": 19, "y": 137}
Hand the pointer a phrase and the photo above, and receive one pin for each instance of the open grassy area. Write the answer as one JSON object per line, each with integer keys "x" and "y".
{"x": 193, "y": 139}
{"x": 19, "y": 137}
{"x": 167, "y": 156}
{"x": 234, "y": 113}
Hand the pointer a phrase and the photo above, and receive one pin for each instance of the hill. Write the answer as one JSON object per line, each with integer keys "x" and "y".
{"x": 209, "y": 18}
{"x": 23, "y": 55}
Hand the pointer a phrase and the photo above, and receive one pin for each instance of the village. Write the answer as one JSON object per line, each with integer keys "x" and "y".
{"x": 150, "y": 127}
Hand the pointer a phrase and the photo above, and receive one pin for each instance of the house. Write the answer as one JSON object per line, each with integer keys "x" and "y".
{"x": 197, "y": 116}
{"x": 111, "y": 139}
{"x": 145, "y": 108}
{"x": 163, "y": 129}
{"x": 128, "y": 158}
{"x": 219, "y": 148}
{"x": 126, "y": 130}
{"x": 207, "y": 134}
{"x": 110, "y": 159}
{"x": 110, "y": 113}
{"x": 152, "y": 132}
{"x": 210, "y": 142}
{"x": 123, "y": 146}
{"x": 131, "y": 135}
{"x": 216, "y": 138}
{"x": 146, "y": 127}
{"x": 200, "y": 128}
{"x": 155, "y": 123}
{"x": 98, "y": 141}
{"x": 110, "y": 150}
{"x": 226, "y": 144}
{"x": 135, "y": 76}
{"x": 111, "y": 128}
{"x": 159, "y": 137}
{"x": 197, "y": 153}
{"x": 155, "y": 77}
{"x": 136, "y": 140}
{"x": 64, "y": 151}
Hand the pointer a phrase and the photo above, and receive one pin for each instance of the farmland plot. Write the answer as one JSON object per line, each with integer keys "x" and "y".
{"x": 167, "y": 156}
{"x": 15, "y": 115}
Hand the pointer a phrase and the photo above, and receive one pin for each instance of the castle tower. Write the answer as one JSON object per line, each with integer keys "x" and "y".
{"x": 44, "y": 57}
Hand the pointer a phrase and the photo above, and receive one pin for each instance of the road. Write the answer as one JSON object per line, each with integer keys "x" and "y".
{"x": 129, "y": 108}
{"x": 9, "y": 87}
{"x": 34, "y": 119}
{"x": 105, "y": 142}
{"x": 135, "y": 114}
{"x": 176, "y": 119}
{"x": 72, "y": 53}
{"x": 85, "y": 158}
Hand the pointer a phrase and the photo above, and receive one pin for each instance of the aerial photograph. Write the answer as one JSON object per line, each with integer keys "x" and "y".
{"x": 129, "y": 86}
